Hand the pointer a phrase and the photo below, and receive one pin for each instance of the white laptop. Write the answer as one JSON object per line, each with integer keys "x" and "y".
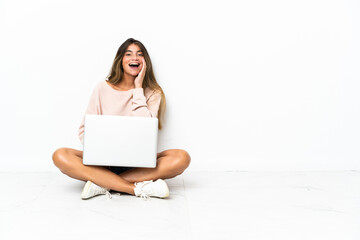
{"x": 111, "y": 140}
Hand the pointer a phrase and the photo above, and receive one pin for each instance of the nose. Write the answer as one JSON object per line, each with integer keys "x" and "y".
{"x": 135, "y": 57}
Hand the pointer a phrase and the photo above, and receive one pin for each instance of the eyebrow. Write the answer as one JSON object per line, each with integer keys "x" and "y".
{"x": 131, "y": 51}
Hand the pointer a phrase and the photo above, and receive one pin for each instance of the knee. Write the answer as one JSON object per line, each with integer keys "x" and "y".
{"x": 59, "y": 158}
{"x": 182, "y": 159}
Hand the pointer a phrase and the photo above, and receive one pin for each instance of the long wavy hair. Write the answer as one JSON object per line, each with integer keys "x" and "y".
{"x": 117, "y": 72}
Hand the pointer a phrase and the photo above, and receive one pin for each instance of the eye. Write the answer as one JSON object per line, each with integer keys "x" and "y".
{"x": 140, "y": 54}
{"x": 128, "y": 54}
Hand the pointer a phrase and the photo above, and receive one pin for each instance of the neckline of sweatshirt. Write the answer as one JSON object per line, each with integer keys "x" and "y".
{"x": 107, "y": 84}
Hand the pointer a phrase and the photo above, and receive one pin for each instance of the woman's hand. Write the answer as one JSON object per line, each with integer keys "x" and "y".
{"x": 140, "y": 77}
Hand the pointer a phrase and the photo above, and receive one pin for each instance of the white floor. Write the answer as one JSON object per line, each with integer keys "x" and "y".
{"x": 202, "y": 205}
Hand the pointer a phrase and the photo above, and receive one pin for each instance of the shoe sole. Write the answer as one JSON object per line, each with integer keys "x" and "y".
{"x": 85, "y": 190}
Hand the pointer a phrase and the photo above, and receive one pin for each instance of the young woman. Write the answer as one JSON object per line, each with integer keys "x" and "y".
{"x": 130, "y": 90}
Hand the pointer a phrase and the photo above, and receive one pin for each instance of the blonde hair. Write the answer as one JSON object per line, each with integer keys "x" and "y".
{"x": 117, "y": 72}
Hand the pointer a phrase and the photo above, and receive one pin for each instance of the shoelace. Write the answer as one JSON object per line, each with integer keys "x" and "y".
{"x": 144, "y": 194}
{"x": 108, "y": 195}
{"x": 100, "y": 190}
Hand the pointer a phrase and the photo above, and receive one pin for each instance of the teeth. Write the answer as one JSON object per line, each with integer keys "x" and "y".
{"x": 134, "y": 64}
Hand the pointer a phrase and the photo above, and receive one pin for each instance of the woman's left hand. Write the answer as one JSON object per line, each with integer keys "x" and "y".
{"x": 140, "y": 77}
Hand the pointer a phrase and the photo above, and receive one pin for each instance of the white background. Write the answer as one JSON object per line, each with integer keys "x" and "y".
{"x": 250, "y": 85}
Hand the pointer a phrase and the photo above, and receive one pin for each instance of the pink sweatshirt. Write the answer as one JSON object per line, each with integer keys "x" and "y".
{"x": 106, "y": 100}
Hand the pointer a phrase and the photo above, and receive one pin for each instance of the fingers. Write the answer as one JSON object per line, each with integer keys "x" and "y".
{"x": 140, "y": 77}
{"x": 142, "y": 71}
{"x": 144, "y": 64}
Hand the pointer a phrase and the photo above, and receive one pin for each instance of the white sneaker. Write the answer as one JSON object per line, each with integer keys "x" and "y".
{"x": 92, "y": 190}
{"x": 148, "y": 189}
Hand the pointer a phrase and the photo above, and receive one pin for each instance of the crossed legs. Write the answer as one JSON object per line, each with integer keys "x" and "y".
{"x": 170, "y": 163}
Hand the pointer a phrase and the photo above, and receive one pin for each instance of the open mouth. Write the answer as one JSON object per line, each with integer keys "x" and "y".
{"x": 134, "y": 65}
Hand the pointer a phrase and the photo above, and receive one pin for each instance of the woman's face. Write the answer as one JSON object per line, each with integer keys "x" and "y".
{"x": 132, "y": 60}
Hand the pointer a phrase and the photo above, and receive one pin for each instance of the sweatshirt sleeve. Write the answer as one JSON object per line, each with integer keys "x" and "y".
{"x": 92, "y": 108}
{"x": 145, "y": 108}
